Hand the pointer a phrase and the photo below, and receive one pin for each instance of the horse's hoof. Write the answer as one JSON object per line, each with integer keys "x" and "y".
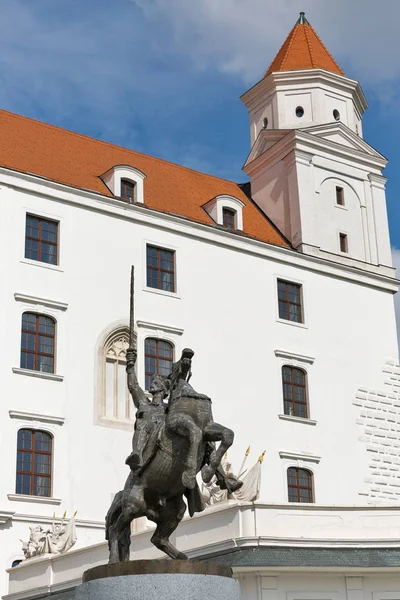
{"x": 188, "y": 480}
{"x": 207, "y": 474}
{"x": 181, "y": 556}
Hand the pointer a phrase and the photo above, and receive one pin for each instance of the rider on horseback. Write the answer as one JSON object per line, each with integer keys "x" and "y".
{"x": 150, "y": 414}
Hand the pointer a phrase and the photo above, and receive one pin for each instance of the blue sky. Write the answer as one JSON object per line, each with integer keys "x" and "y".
{"x": 164, "y": 76}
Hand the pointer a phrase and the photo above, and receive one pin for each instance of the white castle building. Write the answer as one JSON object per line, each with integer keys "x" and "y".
{"x": 283, "y": 287}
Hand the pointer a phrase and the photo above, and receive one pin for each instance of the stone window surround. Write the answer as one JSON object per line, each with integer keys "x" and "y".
{"x": 48, "y": 308}
{"x": 49, "y": 424}
{"x": 299, "y": 461}
{"x": 26, "y": 210}
{"x": 291, "y": 359}
{"x": 149, "y": 329}
{"x": 111, "y": 335}
{"x": 162, "y": 245}
{"x": 284, "y": 277}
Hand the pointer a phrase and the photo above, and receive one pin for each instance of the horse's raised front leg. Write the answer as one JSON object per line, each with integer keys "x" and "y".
{"x": 169, "y": 517}
{"x": 214, "y": 432}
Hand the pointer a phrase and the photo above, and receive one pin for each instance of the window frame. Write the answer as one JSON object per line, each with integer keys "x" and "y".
{"x": 299, "y": 487}
{"x": 36, "y": 353}
{"x": 148, "y": 374}
{"x": 124, "y": 183}
{"x": 343, "y": 242}
{"x": 339, "y": 191}
{"x": 149, "y": 245}
{"x": 41, "y": 241}
{"x": 292, "y": 384}
{"x": 32, "y": 473}
{"x": 232, "y": 214}
{"x": 300, "y": 285}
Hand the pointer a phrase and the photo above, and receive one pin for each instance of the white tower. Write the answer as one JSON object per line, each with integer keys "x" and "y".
{"x": 309, "y": 167}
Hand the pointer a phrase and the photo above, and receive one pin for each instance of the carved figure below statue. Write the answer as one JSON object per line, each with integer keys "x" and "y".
{"x": 57, "y": 540}
{"x": 171, "y": 444}
{"x": 249, "y": 492}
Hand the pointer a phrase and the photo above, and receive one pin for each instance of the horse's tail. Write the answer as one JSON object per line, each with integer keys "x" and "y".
{"x": 113, "y": 513}
{"x": 112, "y": 516}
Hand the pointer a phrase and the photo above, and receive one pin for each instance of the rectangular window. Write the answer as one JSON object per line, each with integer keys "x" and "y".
{"x": 229, "y": 218}
{"x": 41, "y": 240}
{"x": 160, "y": 269}
{"x": 290, "y": 301}
{"x": 343, "y": 242}
{"x": 127, "y": 191}
{"x": 339, "y": 196}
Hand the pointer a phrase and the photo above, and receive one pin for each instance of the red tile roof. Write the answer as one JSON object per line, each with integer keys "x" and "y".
{"x": 303, "y": 49}
{"x": 34, "y": 147}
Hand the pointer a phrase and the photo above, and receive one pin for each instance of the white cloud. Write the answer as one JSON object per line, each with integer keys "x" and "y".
{"x": 242, "y": 36}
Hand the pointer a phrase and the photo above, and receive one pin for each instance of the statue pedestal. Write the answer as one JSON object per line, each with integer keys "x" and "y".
{"x": 159, "y": 580}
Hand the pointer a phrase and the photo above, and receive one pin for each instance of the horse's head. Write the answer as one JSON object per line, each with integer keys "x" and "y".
{"x": 185, "y": 363}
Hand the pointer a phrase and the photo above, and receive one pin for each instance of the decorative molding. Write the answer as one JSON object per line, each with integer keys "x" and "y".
{"x": 5, "y": 516}
{"x": 292, "y": 356}
{"x": 28, "y": 416}
{"x": 35, "y": 518}
{"x": 39, "y": 374}
{"x": 36, "y": 499}
{"x": 296, "y": 456}
{"x": 166, "y": 328}
{"x": 297, "y": 419}
{"x": 40, "y": 301}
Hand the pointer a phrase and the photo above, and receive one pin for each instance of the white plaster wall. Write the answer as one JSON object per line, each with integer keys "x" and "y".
{"x": 227, "y": 307}
{"x": 317, "y": 95}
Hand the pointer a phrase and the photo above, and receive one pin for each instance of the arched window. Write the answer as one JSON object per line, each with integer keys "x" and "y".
{"x": 300, "y": 485}
{"x": 294, "y": 383}
{"x": 37, "y": 342}
{"x": 128, "y": 190}
{"x": 116, "y": 403}
{"x": 34, "y": 462}
{"x": 159, "y": 356}
{"x": 229, "y": 218}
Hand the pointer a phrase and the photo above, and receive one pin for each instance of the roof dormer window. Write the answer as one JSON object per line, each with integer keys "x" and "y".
{"x": 125, "y": 183}
{"x": 226, "y": 211}
{"x": 229, "y": 218}
{"x": 128, "y": 190}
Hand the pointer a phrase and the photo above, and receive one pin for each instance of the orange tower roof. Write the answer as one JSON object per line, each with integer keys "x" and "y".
{"x": 303, "y": 49}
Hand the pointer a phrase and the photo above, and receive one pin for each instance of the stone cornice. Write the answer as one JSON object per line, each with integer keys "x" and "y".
{"x": 300, "y": 456}
{"x": 157, "y": 326}
{"x": 40, "y": 417}
{"x": 40, "y": 301}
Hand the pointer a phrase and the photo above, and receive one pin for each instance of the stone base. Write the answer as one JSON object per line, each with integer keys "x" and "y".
{"x": 159, "y": 580}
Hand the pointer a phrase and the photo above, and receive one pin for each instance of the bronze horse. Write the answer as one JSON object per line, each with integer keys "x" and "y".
{"x": 182, "y": 450}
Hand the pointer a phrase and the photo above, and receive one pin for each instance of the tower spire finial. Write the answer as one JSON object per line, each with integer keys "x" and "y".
{"x": 302, "y": 19}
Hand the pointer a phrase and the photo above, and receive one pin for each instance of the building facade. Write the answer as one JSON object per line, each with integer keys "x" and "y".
{"x": 284, "y": 289}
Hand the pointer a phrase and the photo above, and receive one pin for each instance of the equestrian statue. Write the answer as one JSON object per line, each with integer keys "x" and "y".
{"x": 174, "y": 440}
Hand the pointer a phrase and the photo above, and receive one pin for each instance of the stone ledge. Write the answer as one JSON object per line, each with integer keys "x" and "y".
{"x": 152, "y": 567}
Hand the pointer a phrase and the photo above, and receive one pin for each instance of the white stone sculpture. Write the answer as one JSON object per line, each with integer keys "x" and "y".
{"x": 250, "y": 490}
{"x": 57, "y": 540}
